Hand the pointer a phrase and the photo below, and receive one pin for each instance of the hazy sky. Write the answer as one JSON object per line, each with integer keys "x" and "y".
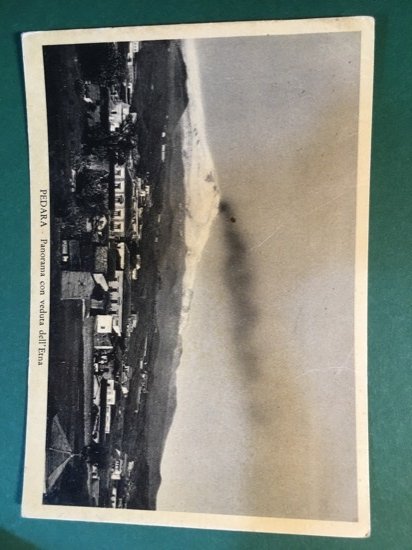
{"x": 265, "y": 417}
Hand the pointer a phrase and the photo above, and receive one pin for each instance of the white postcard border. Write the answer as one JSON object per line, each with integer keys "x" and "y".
{"x": 32, "y": 505}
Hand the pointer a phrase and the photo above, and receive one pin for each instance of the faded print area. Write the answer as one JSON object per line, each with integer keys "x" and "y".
{"x": 265, "y": 420}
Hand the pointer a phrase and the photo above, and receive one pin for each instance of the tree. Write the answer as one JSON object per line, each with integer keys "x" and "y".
{"x": 96, "y": 453}
{"x": 104, "y": 64}
{"x": 75, "y": 222}
{"x": 114, "y": 145}
{"x": 92, "y": 196}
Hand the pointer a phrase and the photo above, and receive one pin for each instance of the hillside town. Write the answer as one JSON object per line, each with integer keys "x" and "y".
{"x": 106, "y": 230}
{"x": 99, "y": 272}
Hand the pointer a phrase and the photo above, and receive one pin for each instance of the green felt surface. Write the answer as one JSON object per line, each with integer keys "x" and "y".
{"x": 390, "y": 296}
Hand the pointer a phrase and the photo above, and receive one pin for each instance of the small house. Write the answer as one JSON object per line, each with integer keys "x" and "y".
{"x": 110, "y": 393}
{"x": 102, "y": 342}
{"x": 104, "y": 324}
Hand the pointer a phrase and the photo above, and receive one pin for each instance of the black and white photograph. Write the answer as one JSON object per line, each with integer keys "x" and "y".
{"x": 199, "y": 198}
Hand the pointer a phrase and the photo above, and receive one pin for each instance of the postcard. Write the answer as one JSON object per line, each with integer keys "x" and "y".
{"x": 199, "y": 240}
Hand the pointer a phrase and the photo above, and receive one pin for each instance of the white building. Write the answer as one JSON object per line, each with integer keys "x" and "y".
{"x": 119, "y": 205}
{"x": 104, "y": 324}
{"x": 108, "y": 419}
{"x": 121, "y": 250}
{"x": 116, "y": 301}
{"x": 118, "y": 113}
{"x": 134, "y": 47}
{"x": 111, "y": 393}
{"x": 121, "y": 202}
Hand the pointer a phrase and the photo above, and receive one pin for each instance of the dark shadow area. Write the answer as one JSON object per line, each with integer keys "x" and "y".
{"x": 239, "y": 281}
{"x": 8, "y": 541}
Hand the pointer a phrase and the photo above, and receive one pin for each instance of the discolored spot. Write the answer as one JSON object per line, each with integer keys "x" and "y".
{"x": 232, "y": 219}
{"x": 223, "y": 206}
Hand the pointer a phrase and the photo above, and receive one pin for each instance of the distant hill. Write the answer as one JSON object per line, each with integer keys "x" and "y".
{"x": 161, "y": 74}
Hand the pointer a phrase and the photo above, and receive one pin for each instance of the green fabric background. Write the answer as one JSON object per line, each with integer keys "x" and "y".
{"x": 390, "y": 276}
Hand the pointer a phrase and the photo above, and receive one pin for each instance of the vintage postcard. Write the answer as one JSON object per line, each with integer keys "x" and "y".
{"x": 199, "y": 232}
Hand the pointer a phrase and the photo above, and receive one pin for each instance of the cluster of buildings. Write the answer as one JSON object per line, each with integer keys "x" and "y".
{"x": 120, "y": 470}
{"x": 98, "y": 266}
{"x": 100, "y": 271}
{"x": 128, "y": 198}
{"x": 113, "y": 107}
